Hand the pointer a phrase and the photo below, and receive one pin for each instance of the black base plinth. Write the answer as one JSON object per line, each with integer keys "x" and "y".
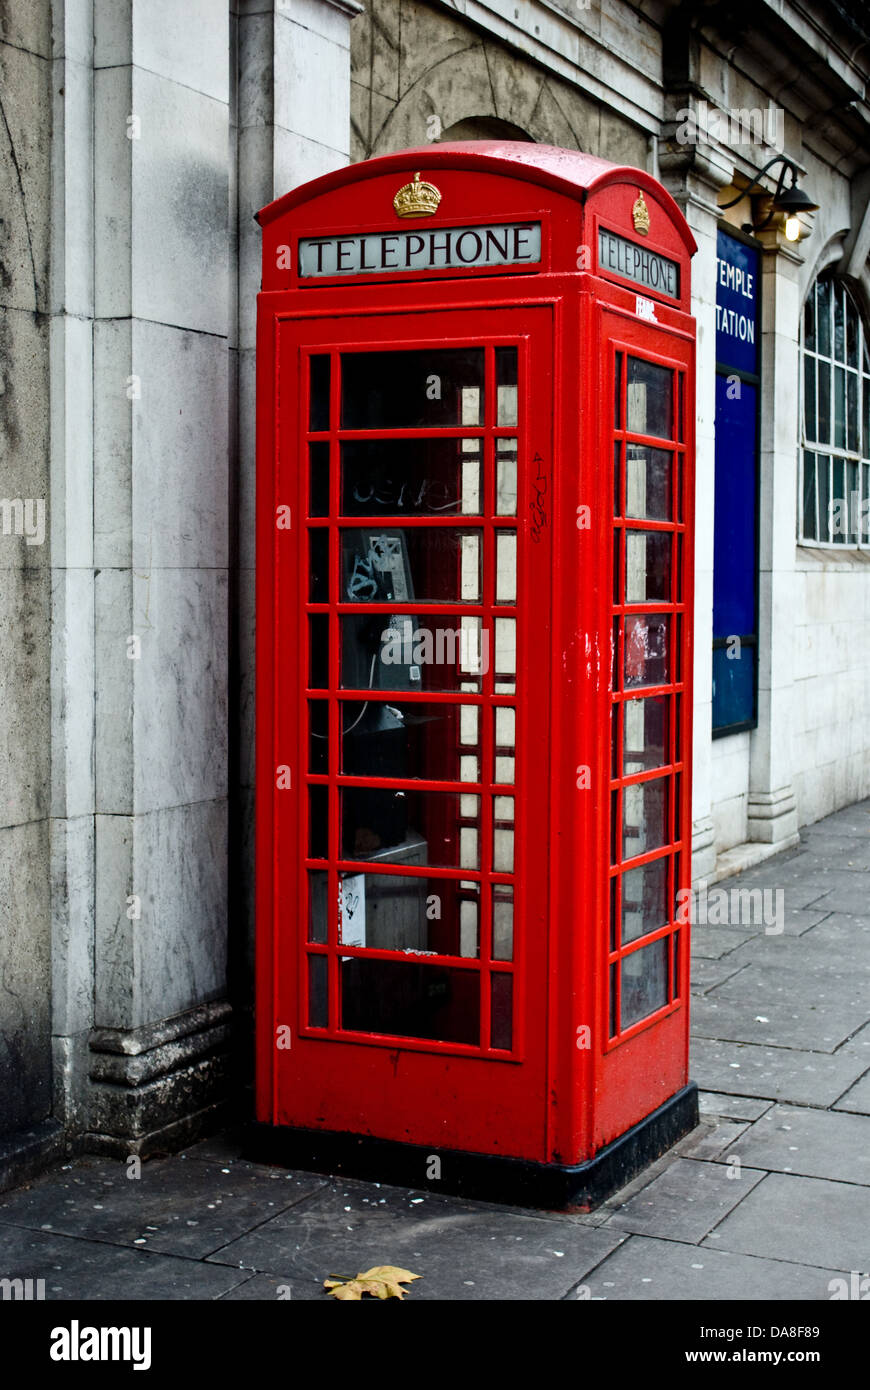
{"x": 490, "y": 1177}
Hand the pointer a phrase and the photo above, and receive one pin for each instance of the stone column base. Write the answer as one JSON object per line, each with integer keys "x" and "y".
{"x": 772, "y": 818}
{"x": 156, "y": 1088}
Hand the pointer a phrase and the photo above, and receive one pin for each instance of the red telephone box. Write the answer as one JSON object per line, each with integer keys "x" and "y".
{"x": 475, "y": 389}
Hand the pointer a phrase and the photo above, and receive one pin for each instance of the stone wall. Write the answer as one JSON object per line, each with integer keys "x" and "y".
{"x": 25, "y": 575}
{"x": 417, "y": 71}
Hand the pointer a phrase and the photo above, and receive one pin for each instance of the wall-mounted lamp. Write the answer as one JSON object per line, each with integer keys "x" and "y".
{"x": 788, "y": 201}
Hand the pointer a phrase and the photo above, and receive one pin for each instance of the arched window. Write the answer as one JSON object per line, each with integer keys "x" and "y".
{"x": 834, "y": 488}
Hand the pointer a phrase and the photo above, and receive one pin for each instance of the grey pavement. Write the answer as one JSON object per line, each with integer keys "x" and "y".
{"x": 768, "y": 1199}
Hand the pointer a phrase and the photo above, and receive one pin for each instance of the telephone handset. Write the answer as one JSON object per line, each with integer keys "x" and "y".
{"x": 375, "y": 569}
{"x": 377, "y": 650}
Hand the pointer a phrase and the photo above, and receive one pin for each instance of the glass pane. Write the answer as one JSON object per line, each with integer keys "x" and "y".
{"x": 410, "y": 1000}
{"x": 614, "y": 1000}
{"x": 617, "y": 479}
{"x": 318, "y": 564}
{"x": 318, "y": 742}
{"x": 824, "y": 379}
{"x": 644, "y": 817}
{"x": 506, "y": 386}
{"x": 647, "y": 482}
{"x": 318, "y": 651}
{"x": 644, "y": 899}
{"x": 318, "y": 416}
{"x": 502, "y": 921}
{"x": 810, "y": 321}
{"x": 387, "y": 825}
{"x": 839, "y": 408}
{"x": 851, "y": 333}
{"x": 317, "y": 918}
{"x": 318, "y": 998}
{"x": 404, "y": 739}
{"x": 839, "y": 516}
{"x": 823, "y": 477}
{"x": 419, "y": 565}
{"x": 649, "y": 398}
{"x": 506, "y": 477}
{"x": 810, "y": 418}
{"x": 839, "y": 325}
{"x": 809, "y": 497}
{"x": 505, "y": 655}
{"x": 318, "y": 491}
{"x": 647, "y": 566}
{"x": 503, "y": 835}
{"x": 398, "y": 652}
{"x": 853, "y": 502}
{"x": 504, "y": 752}
{"x": 644, "y": 982}
{"x": 318, "y": 822}
{"x": 823, "y": 320}
{"x": 501, "y": 1010}
{"x": 852, "y": 437}
{"x": 407, "y": 390}
{"x": 617, "y": 392}
{"x": 400, "y": 912}
{"x": 645, "y": 734}
{"x": 410, "y": 477}
{"x": 646, "y": 655}
{"x": 506, "y": 567}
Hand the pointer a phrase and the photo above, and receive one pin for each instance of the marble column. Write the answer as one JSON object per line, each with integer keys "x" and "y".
{"x": 158, "y": 1044}
{"x": 693, "y": 174}
{"x": 772, "y": 813}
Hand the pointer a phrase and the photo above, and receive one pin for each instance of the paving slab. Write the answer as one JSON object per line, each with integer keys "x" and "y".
{"x": 857, "y": 1098}
{"x": 737, "y": 1107}
{"x": 851, "y": 820}
{"x": 228, "y": 1147}
{"x": 269, "y": 1288}
{"x": 804, "y": 1220}
{"x": 849, "y": 895}
{"x": 463, "y": 1250}
{"x": 707, "y": 973}
{"x": 842, "y": 929}
{"x": 716, "y": 943}
{"x": 685, "y": 1202}
{"x": 774, "y": 1073}
{"x": 177, "y": 1206}
{"x": 820, "y": 955}
{"x": 649, "y": 1270}
{"x": 85, "y": 1269}
{"x": 815, "y": 1143}
{"x": 714, "y": 1139}
{"x": 785, "y": 1006}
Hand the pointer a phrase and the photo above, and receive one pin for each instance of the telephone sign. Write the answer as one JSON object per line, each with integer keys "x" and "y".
{"x": 474, "y": 657}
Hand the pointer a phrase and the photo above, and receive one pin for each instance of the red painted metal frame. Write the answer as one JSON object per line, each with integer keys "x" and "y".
{"x": 552, "y": 1098}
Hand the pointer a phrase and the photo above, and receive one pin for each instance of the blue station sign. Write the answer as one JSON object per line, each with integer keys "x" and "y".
{"x": 737, "y": 298}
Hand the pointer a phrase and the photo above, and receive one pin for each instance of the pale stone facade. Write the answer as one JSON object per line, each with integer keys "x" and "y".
{"x": 138, "y": 138}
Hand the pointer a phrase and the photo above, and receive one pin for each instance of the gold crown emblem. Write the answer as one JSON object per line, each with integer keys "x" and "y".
{"x": 640, "y": 214}
{"x": 417, "y": 199}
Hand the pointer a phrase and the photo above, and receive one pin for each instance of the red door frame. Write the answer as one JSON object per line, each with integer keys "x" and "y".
{"x": 401, "y": 1088}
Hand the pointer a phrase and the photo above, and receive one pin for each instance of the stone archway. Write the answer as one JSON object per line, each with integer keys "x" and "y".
{"x": 418, "y": 73}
